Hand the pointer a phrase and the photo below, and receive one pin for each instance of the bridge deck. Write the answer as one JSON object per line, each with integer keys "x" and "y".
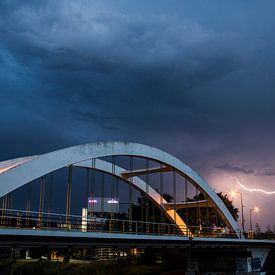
{"x": 28, "y": 237}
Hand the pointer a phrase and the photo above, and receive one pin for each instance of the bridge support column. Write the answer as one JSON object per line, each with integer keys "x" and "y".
{"x": 84, "y": 221}
{"x": 257, "y": 259}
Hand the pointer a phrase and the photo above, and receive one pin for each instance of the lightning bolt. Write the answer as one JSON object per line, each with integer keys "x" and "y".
{"x": 253, "y": 189}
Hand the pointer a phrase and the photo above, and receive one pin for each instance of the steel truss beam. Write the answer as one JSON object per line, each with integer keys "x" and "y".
{"x": 140, "y": 172}
{"x": 189, "y": 204}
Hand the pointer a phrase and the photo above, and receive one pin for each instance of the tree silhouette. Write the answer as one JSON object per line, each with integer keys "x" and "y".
{"x": 207, "y": 215}
{"x": 196, "y": 216}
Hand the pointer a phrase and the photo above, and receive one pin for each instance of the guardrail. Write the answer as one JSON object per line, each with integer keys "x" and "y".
{"x": 11, "y": 218}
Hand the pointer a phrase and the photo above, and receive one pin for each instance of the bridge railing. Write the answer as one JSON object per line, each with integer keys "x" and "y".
{"x": 11, "y": 218}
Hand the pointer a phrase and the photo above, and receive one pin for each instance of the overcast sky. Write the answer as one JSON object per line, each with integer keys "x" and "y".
{"x": 195, "y": 78}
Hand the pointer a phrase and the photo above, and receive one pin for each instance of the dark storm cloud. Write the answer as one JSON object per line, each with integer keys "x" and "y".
{"x": 244, "y": 170}
{"x": 191, "y": 77}
{"x": 267, "y": 173}
{"x": 230, "y": 168}
{"x": 74, "y": 72}
{"x": 142, "y": 60}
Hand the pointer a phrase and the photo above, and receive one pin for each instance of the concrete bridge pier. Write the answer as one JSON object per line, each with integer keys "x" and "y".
{"x": 257, "y": 261}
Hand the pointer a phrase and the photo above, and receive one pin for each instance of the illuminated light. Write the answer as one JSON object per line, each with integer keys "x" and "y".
{"x": 92, "y": 201}
{"x": 2, "y": 170}
{"x": 256, "y": 209}
{"x": 6, "y": 168}
{"x": 112, "y": 201}
{"x": 254, "y": 189}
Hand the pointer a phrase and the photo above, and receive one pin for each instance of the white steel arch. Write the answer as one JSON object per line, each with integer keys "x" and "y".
{"x": 31, "y": 168}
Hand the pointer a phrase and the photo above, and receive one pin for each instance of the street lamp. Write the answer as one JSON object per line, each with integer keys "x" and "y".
{"x": 256, "y": 209}
{"x": 234, "y": 193}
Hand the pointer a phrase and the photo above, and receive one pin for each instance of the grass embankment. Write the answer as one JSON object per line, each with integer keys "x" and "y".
{"x": 97, "y": 268}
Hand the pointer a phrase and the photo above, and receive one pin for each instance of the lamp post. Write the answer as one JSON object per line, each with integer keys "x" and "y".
{"x": 256, "y": 209}
{"x": 234, "y": 193}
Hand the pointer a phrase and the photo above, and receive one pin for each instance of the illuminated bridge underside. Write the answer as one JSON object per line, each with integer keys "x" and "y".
{"x": 18, "y": 172}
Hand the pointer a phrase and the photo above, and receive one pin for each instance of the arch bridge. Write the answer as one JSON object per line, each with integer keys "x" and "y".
{"x": 165, "y": 197}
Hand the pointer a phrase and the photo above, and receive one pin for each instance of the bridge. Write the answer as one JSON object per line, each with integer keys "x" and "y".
{"x": 119, "y": 194}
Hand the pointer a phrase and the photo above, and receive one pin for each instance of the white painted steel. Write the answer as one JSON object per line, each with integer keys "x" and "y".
{"x": 12, "y": 179}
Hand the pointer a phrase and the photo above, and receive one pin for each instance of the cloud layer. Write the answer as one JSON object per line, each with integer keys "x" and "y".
{"x": 193, "y": 79}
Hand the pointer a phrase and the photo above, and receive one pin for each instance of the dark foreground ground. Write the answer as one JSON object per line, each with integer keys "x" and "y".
{"x": 58, "y": 268}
